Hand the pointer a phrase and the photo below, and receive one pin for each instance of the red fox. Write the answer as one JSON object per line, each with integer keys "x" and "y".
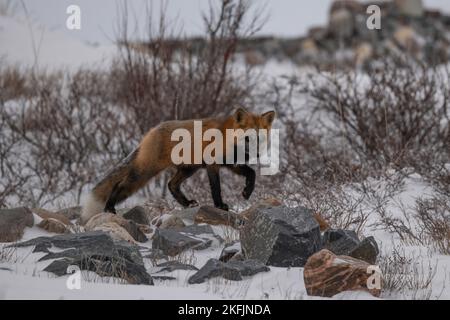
{"x": 153, "y": 155}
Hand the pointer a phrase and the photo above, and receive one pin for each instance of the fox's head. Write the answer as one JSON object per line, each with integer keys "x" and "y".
{"x": 251, "y": 131}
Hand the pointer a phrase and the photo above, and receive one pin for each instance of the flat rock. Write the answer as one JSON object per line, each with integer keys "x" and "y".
{"x": 172, "y": 242}
{"x": 327, "y": 275}
{"x": 134, "y": 230}
{"x": 215, "y": 216}
{"x": 281, "y": 236}
{"x": 13, "y": 223}
{"x": 171, "y": 266}
{"x": 231, "y": 271}
{"x": 94, "y": 251}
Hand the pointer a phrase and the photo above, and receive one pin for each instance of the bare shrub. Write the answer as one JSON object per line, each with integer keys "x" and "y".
{"x": 390, "y": 116}
{"x": 407, "y": 276}
{"x": 433, "y": 216}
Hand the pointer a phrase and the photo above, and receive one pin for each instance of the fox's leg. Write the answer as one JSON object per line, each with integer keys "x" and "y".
{"x": 112, "y": 199}
{"x": 124, "y": 189}
{"x": 175, "y": 183}
{"x": 250, "y": 177}
{"x": 214, "y": 182}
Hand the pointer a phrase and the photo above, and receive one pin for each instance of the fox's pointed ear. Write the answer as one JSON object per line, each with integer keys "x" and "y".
{"x": 269, "y": 117}
{"x": 240, "y": 115}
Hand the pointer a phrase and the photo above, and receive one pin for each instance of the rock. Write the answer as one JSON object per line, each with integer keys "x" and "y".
{"x": 53, "y": 225}
{"x": 197, "y": 229}
{"x": 215, "y": 216}
{"x": 230, "y": 250}
{"x": 138, "y": 215}
{"x": 131, "y": 227}
{"x": 230, "y": 271}
{"x": 13, "y": 223}
{"x": 281, "y": 236}
{"x": 71, "y": 213}
{"x": 327, "y": 274}
{"x": 115, "y": 231}
{"x": 267, "y": 203}
{"x": 171, "y": 266}
{"x": 94, "y": 251}
{"x": 171, "y": 222}
{"x": 412, "y": 8}
{"x": 163, "y": 278}
{"x": 345, "y": 242}
{"x": 340, "y": 242}
{"x": 45, "y": 214}
{"x": 172, "y": 242}
{"x": 367, "y": 250}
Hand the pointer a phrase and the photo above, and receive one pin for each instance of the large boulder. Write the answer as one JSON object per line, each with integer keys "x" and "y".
{"x": 327, "y": 275}
{"x": 13, "y": 223}
{"x": 93, "y": 251}
{"x": 173, "y": 242}
{"x": 281, "y": 236}
{"x": 346, "y": 242}
{"x": 263, "y": 204}
{"x": 234, "y": 270}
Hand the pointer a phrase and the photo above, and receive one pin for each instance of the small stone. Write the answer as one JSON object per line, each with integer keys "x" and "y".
{"x": 53, "y": 225}
{"x": 172, "y": 242}
{"x": 13, "y": 223}
{"x": 138, "y": 215}
{"x": 231, "y": 271}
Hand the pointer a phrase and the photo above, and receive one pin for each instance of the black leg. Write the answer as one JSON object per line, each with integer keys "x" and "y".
{"x": 250, "y": 177}
{"x": 175, "y": 183}
{"x": 214, "y": 182}
{"x": 112, "y": 200}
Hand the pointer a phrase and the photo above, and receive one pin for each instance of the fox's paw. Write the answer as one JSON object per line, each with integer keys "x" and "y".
{"x": 192, "y": 204}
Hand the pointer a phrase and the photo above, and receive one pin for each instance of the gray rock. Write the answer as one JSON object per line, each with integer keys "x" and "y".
{"x": 346, "y": 243}
{"x": 367, "y": 250}
{"x": 94, "y": 251}
{"x": 229, "y": 251}
{"x": 230, "y": 271}
{"x": 163, "y": 278}
{"x": 281, "y": 236}
{"x": 173, "y": 242}
{"x": 13, "y": 223}
{"x": 138, "y": 215}
{"x": 171, "y": 266}
{"x": 135, "y": 231}
{"x": 340, "y": 242}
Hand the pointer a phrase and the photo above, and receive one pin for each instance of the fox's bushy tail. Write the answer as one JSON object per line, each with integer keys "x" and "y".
{"x": 97, "y": 198}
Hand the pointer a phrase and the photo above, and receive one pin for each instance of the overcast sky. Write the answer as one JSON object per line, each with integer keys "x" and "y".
{"x": 99, "y": 18}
